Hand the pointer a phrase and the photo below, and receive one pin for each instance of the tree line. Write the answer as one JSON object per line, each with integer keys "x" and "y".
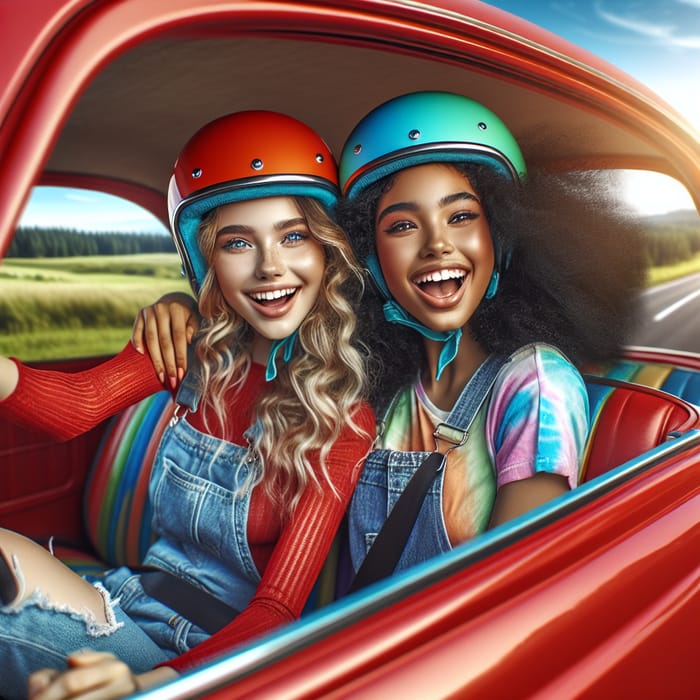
{"x": 665, "y": 244}
{"x": 672, "y": 244}
{"x": 36, "y": 242}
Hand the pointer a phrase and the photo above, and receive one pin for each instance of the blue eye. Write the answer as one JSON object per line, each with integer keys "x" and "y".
{"x": 236, "y": 244}
{"x": 295, "y": 237}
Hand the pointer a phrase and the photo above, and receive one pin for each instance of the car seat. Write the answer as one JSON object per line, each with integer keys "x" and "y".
{"x": 627, "y": 420}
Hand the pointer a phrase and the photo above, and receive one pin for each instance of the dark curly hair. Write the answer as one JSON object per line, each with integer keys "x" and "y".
{"x": 576, "y": 265}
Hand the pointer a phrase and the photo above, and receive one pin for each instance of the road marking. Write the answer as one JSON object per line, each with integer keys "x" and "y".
{"x": 676, "y": 305}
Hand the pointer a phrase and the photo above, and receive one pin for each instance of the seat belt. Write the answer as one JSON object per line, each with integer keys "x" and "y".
{"x": 386, "y": 550}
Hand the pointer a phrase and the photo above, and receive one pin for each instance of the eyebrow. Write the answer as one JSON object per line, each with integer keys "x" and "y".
{"x": 233, "y": 228}
{"x": 412, "y": 206}
{"x": 279, "y": 226}
{"x": 457, "y": 196}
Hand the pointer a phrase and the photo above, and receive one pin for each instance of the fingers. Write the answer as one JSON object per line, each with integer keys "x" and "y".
{"x": 153, "y": 323}
{"x": 39, "y": 681}
{"x": 167, "y": 328}
{"x": 137, "y": 331}
{"x": 91, "y": 676}
{"x": 168, "y": 339}
{"x": 183, "y": 323}
{"x": 88, "y": 657}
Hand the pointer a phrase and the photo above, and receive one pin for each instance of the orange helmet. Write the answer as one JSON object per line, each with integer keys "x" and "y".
{"x": 245, "y": 155}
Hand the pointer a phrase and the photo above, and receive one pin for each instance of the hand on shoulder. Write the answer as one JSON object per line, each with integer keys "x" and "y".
{"x": 167, "y": 328}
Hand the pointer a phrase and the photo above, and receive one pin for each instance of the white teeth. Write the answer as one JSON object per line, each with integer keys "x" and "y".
{"x": 440, "y": 276}
{"x": 272, "y": 294}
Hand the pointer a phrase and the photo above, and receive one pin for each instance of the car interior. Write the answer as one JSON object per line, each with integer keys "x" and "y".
{"x": 122, "y": 134}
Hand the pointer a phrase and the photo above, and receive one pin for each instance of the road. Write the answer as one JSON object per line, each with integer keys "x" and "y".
{"x": 672, "y": 315}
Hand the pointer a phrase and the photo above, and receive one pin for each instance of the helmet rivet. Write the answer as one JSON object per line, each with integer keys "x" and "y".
{"x": 482, "y": 126}
{"x": 357, "y": 149}
{"x": 319, "y": 158}
{"x": 414, "y": 134}
{"x": 197, "y": 172}
{"x": 256, "y": 164}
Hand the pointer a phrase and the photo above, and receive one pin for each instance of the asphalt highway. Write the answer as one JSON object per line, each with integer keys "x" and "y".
{"x": 671, "y": 313}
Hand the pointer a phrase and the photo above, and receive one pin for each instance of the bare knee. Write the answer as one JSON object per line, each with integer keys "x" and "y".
{"x": 8, "y": 581}
{"x": 27, "y": 569}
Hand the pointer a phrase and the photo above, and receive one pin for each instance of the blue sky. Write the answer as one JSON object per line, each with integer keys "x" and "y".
{"x": 655, "y": 41}
{"x": 88, "y": 210}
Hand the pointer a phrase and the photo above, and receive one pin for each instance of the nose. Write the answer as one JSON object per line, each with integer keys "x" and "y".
{"x": 436, "y": 241}
{"x": 270, "y": 263}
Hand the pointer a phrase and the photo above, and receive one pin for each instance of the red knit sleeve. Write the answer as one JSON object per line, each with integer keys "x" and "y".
{"x": 66, "y": 404}
{"x": 299, "y": 553}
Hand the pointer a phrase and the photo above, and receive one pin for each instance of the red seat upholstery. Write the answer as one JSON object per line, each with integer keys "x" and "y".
{"x": 628, "y": 420}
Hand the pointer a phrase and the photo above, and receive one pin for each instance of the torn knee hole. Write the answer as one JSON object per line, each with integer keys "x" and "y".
{"x": 95, "y": 626}
{"x": 9, "y": 585}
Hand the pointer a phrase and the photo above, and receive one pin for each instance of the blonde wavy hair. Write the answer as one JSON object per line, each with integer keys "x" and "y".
{"x": 315, "y": 394}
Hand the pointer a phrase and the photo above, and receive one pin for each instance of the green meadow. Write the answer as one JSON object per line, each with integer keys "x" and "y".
{"x": 53, "y": 308}
{"x": 666, "y": 273}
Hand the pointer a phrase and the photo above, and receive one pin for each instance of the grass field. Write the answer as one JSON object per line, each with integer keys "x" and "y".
{"x": 666, "y": 273}
{"x": 71, "y": 307}
{"x": 53, "y": 308}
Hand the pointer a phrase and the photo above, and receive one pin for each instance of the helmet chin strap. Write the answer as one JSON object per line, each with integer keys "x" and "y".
{"x": 394, "y": 313}
{"x": 287, "y": 345}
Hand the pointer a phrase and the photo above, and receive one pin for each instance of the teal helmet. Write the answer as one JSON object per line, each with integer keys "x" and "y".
{"x": 420, "y": 128}
{"x": 426, "y": 127}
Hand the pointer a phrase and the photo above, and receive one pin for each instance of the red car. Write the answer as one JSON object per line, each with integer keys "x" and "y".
{"x": 595, "y": 595}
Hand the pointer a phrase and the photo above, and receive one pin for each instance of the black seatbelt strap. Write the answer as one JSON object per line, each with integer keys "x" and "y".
{"x": 386, "y": 550}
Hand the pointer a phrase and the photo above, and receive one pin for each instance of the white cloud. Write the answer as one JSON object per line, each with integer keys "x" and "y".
{"x": 663, "y": 33}
{"x": 77, "y": 196}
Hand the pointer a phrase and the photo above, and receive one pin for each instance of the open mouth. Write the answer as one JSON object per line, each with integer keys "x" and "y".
{"x": 273, "y": 297}
{"x": 440, "y": 283}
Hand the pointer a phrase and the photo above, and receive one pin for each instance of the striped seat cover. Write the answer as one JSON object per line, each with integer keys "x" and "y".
{"x": 117, "y": 511}
{"x": 679, "y": 381}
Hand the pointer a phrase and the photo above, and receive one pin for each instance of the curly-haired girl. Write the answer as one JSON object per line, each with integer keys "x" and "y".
{"x": 483, "y": 268}
{"x": 255, "y": 471}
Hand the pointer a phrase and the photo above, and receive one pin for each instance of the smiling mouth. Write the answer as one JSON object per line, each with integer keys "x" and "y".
{"x": 273, "y": 297}
{"x": 440, "y": 283}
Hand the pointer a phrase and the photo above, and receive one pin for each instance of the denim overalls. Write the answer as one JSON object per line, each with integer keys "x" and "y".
{"x": 200, "y": 525}
{"x": 386, "y": 473}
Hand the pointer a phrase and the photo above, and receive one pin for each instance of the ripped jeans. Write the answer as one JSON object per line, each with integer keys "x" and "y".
{"x": 35, "y": 634}
{"x": 200, "y": 520}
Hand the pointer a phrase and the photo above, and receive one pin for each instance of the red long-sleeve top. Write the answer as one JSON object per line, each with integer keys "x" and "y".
{"x": 288, "y": 553}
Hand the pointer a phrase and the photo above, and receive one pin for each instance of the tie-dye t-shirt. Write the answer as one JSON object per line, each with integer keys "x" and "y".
{"x": 536, "y": 420}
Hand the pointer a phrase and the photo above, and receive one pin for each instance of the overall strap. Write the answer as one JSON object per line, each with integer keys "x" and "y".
{"x": 475, "y": 392}
{"x": 386, "y": 550}
{"x": 189, "y": 392}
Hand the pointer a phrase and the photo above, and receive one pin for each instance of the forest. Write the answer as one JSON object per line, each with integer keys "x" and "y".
{"x": 668, "y": 240}
{"x": 670, "y": 244}
{"x": 33, "y": 242}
